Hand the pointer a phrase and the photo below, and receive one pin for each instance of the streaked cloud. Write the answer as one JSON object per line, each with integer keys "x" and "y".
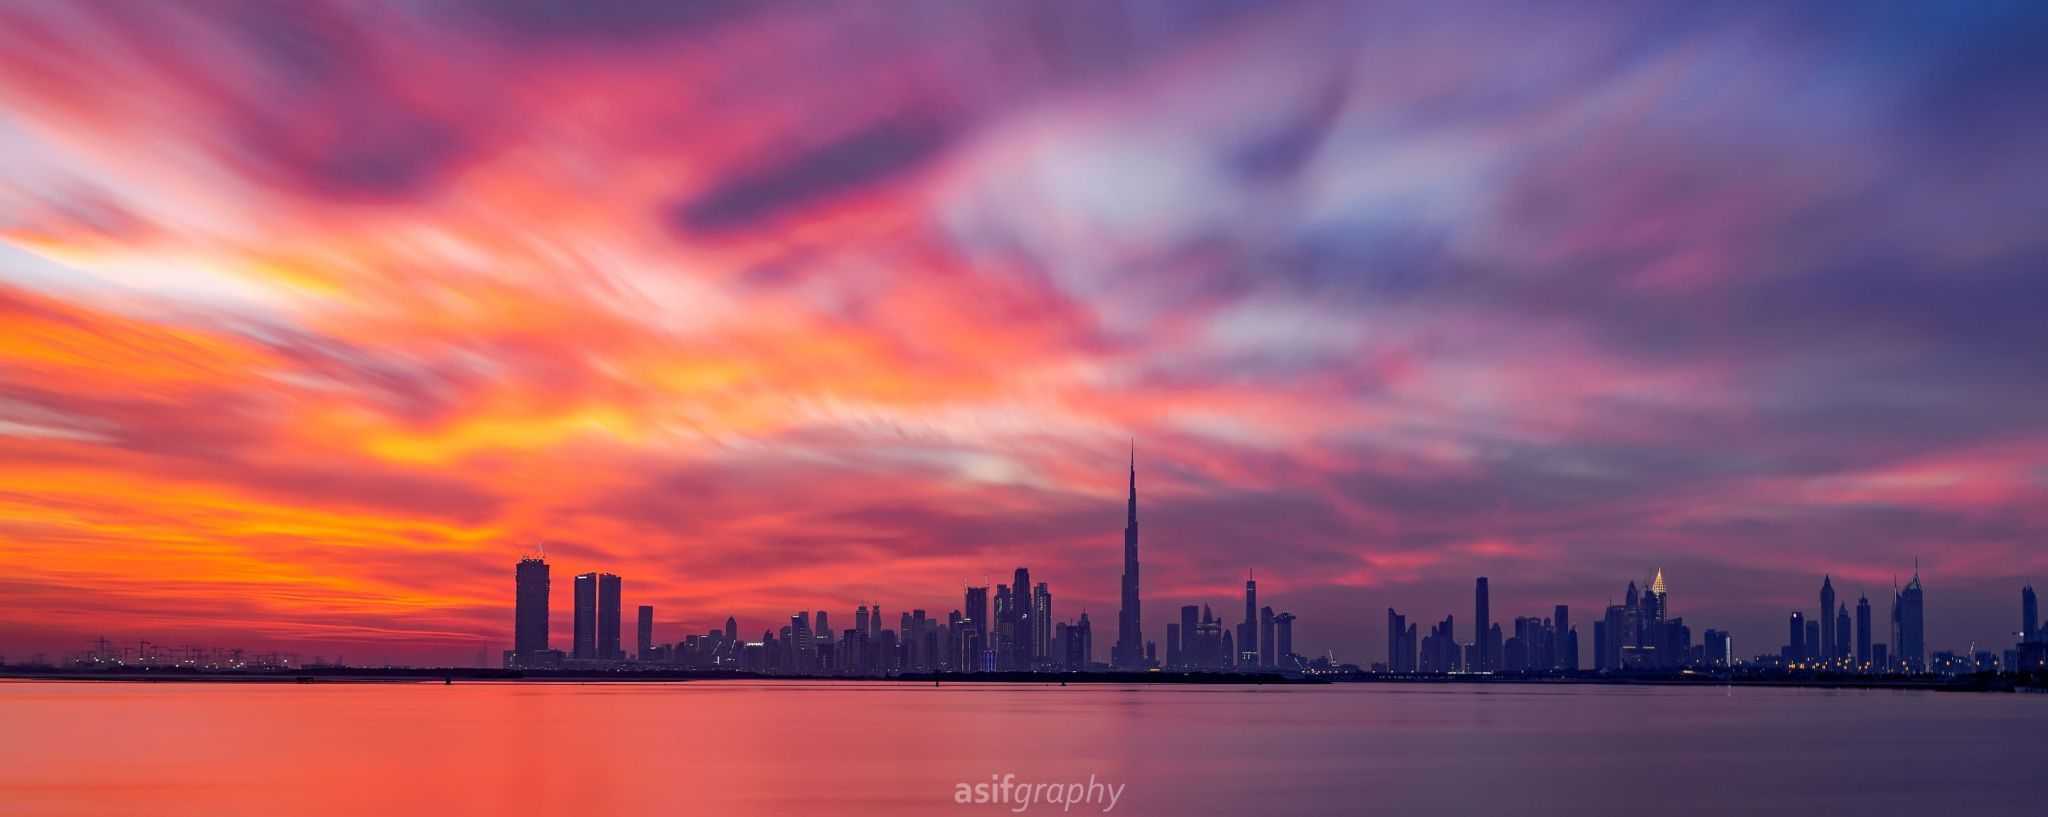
{"x": 316, "y": 315}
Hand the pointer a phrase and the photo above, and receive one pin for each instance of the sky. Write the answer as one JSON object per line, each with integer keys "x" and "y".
{"x": 315, "y": 318}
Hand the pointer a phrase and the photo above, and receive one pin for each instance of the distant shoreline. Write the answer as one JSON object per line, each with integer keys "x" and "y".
{"x": 333, "y": 675}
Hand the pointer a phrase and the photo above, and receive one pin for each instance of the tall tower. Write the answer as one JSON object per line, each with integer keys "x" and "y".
{"x": 644, "y": 644}
{"x": 1863, "y": 634}
{"x": 608, "y": 617}
{"x": 1796, "y": 650}
{"x": 1021, "y": 622}
{"x": 1248, "y": 642}
{"x": 1658, "y": 592}
{"x": 586, "y": 616}
{"x": 1130, "y": 636}
{"x": 1827, "y": 608}
{"x": 1041, "y": 624}
{"x": 2030, "y": 616}
{"x": 1266, "y": 657}
{"x": 1482, "y": 618}
{"x": 977, "y": 609}
{"x": 1841, "y": 640}
{"x": 530, "y": 615}
{"x": 1912, "y": 648}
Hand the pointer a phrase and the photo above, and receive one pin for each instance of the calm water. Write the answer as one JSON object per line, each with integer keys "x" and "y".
{"x": 790, "y": 748}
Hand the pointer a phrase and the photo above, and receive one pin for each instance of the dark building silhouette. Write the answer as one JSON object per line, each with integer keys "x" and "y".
{"x": 1827, "y": 609}
{"x": 1660, "y": 598}
{"x": 1795, "y": 650}
{"x": 1567, "y": 657}
{"x": 1401, "y": 645}
{"x": 1482, "y": 621}
{"x": 1266, "y": 657}
{"x": 643, "y": 648}
{"x": 1004, "y": 625}
{"x": 608, "y": 617}
{"x": 1248, "y": 632}
{"x": 1841, "y": 635}
{"x": 974, "y": 640}
{"x": 1911, "y": 649}
{"x": 1863, "y": 663}
{"x": 530, "y": 616}
{"x": 1190, "y": 635}
{"x": 1021, "y": 623}
{"x": 1283, "y": 634}
{"x": 1080, "y": 644}
{"x": 586, "y": 617}
{"x": 2030, "y": 616}
{"x": 1719, "y": 648}
{"x": 1439, "y": 652}
{"x": 1130, "y": 635}
{"x": 1041, "y": 625}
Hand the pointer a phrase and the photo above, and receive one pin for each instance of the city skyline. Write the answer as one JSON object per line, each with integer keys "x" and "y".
{"x": 320, "y": 314}
{"x": 1638, "y": 622}
{"x": 1639, "y": 634}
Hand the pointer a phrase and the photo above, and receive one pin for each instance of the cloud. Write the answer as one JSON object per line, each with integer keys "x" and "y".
{"x": 318, "y": 316}
{"x": 871, "y": 156}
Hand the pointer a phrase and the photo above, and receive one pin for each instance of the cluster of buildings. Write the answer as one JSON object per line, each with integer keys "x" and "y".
{"x": 1832, "y": 642}
{"x": 1012, "y": 629}
{"x": 1538, "y": 644}
{"x": 1838, "y": 643}
{"x": 1264, "y": 640}
{"x": 1641, "y": 635}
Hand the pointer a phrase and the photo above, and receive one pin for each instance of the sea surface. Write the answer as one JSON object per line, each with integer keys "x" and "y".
{"x": 791, "y": 748}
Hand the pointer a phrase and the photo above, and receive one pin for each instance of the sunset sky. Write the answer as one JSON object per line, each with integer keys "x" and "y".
{"x": 313, "y": 318}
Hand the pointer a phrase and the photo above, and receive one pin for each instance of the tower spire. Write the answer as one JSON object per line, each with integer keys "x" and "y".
{"x": 1129, "y": 653}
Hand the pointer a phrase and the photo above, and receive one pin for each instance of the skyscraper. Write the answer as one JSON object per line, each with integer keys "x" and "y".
{"x": 586, "y": 617}
{"x": 1080, "y": 644}
{"x": 1482, "y": 621}
{"x": 2030, "y": 616}
{"x": 1912, "y": 647}
{"x": 977, "y": 609}
{"x": 1021, "y": 622}
{"x": 1190, "y": 636}
{"x": 1266, "y": 658}
{"x": 1567, "y": 642}
{"x": 1841, "y": 639}
{"x": 1041, "y": 624}
{"x": 608, "y": 618}
{"x": 1401, "y": 646}
{"x": 1661, "y": 596}
{"x": 1283, "y": 633}
{"x": 1130, "y": 636}
{"x": 644, "y": 645}
{"x": 530, "y": 615}
{"x": 1005, "y": 629}
{"x": 803, "y": 648}
{"x": 1863, "y": 634}
{"x": 1795, "y": 650}
{"x": 1827, "y": 608}
{"x": 1248, "y": 633}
